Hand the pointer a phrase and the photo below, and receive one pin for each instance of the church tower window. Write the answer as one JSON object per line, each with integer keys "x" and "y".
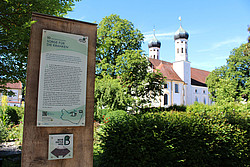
{"x": 181, "y": 50}
{"x": 177, "y": 50}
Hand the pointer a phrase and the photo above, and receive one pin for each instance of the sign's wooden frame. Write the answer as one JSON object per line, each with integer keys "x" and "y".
{"x": 35, "y": 139}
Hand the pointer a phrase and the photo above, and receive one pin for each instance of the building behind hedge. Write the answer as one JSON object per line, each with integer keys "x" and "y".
{"x": 184, "y": 84}
{"x": 16, "y": 99}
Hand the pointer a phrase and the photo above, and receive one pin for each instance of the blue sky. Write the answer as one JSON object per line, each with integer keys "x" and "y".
{"x": 215, "y": 27}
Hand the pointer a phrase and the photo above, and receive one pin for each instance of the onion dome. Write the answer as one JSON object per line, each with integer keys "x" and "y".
{"x": 181, "y": 33}
{"x": 154, "y": 43}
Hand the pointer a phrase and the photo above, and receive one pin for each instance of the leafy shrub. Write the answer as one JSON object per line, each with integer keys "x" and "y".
{"x": 3, "y": 131}
{"x": 11, "y": 123}
{"x": 98, "y": 131}
{"x": 161, "y": 109}
{"x": 202, "y": 136}
{"x": 12, "y": 114}
{"x": 114, "y": 115}
{"x": 98, "y": 116}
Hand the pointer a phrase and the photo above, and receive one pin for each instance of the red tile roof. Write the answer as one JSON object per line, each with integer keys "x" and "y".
{"x": 168, "y": 71}
{"x": 198, "y": 77}
{"x": 17, "y": 85}
{"x": 166, "y": 68}
{"x": 157, "y": 62}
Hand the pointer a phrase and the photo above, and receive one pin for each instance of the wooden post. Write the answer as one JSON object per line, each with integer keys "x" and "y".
{"x": 36, "y": 139}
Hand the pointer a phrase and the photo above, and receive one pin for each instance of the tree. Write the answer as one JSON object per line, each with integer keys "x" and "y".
{"x": 119, "y": 57}
{"x": 114, "y": 37}
{"x": 232, "y": 82}
{"x": 134, "y": 86}
{"x": 15, "y": 22}
{"x": 142, "y": 84}
{"x": 110, "y": 94}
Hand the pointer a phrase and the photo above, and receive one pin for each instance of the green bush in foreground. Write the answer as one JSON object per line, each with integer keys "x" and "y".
{"x": 11, "y": 123}
{"x": 202, "y": 136}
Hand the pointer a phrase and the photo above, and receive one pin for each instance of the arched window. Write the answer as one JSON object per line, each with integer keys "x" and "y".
{"x": 204, "y": 100}
{"x": 177, "y": 50}
{"x": 165, "y": 99}
{"x": 196, "y": 98}
{"x": 181, "y": 50}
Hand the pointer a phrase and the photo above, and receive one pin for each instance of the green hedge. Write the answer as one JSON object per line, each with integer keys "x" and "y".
{"x": 202, "y": 136}
{"x": 161, "y": 109}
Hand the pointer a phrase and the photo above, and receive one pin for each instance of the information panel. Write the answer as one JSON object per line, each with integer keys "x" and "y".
{"x": 62, "y": 80}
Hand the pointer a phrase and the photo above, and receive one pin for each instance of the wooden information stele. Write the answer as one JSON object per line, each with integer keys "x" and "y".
{"x": 61, "y": 66}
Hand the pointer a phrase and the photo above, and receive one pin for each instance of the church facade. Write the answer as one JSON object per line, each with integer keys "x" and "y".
{"x": 184, "y": 85}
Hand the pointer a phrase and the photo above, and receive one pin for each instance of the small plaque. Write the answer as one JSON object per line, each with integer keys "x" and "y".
{"x": 60, "y": 146}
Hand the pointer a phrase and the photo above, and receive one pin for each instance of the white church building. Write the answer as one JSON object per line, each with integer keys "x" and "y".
{"x": 184, "y": 85}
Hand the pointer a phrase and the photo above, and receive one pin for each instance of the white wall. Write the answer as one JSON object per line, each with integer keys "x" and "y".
{"x": 201, "y": 93}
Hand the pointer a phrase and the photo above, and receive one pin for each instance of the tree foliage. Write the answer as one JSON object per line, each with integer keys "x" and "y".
{"x": 133, "y": 87}
{"x": 109, "y": 93}
{"x": 15, "y": 22}
{"x": 121, "y": 65}
{"x": 133, "y": 70}
{"x": 114, "y": 37}
{"x": 232, "y": 82}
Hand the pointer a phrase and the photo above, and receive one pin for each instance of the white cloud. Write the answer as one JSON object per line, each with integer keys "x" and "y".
{"x": 159, "y": 36}
{"x": 235, "y": 41}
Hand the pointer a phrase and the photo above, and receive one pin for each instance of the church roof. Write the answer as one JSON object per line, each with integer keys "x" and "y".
{"x": 154, "y": 43}
{"x": 181, "y": 33}
{"x": 198, "y": 77}
{"x": 165, "y": 68}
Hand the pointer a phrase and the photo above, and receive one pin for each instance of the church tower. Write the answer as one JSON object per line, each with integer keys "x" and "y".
{"x": 181, "y": 45}
{"x": 181, "y": 65}
{"x": 154, "y": 48}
